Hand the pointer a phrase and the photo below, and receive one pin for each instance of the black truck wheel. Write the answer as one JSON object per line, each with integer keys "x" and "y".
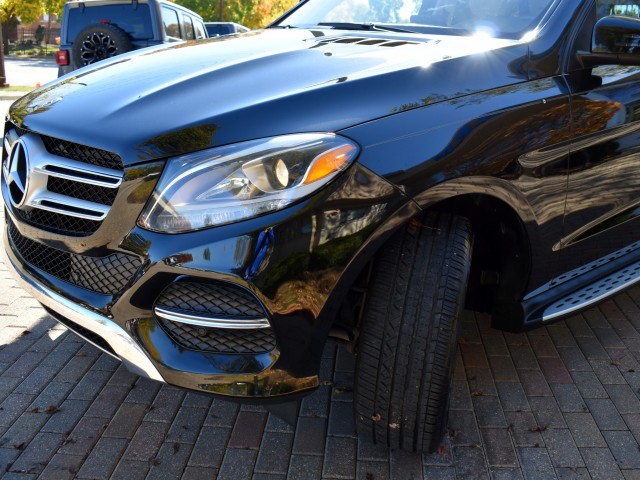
{"x": 99, "y": 41}
{"x": 408, "y": 341}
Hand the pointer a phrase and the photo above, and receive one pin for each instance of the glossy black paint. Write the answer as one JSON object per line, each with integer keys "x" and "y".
{"x": 525, "y": 138}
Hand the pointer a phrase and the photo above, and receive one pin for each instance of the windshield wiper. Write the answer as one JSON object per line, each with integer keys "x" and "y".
{"x": 364, "y": 26}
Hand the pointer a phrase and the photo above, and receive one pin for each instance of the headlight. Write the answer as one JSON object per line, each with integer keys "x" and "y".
{"x": 235, "y": 182}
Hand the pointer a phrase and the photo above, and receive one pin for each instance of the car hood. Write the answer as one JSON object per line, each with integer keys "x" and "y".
{"x": 175, "y": 99}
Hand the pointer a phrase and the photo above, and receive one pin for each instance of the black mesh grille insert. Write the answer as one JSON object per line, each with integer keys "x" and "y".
{"x": 212, "y": 298}
{"x": 82, "y": 153}
{"x": 220, "y": 340}
{"x": 59, "y": 223}
{"x": 106, "y": 275}
{"x": 83, "y": 191}
{"x": 218, "y": 300}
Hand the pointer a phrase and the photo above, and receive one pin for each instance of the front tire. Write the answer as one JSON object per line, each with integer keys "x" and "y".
{"x": 408, "y": 341}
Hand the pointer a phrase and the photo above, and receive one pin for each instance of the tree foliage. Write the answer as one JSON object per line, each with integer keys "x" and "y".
{"x": 251, "y": 13}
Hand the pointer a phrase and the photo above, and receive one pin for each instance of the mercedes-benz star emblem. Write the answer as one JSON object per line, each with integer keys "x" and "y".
{"x": 17, "y": 176}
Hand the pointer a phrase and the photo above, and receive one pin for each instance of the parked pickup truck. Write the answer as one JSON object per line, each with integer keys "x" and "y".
{"x": 210, "y": 212}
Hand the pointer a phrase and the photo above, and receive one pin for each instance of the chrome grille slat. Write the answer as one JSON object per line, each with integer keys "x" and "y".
{"x": 80, "y": 188}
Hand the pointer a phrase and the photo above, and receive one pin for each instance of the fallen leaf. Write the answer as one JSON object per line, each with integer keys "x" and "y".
{"x": 543, "y": 428}
{"x": 52, "y": 409}
{"x": 477, "y": 393}
{"x": 176, "y": 447}
{"x": 394, "y": 425}
{"x": 376, "y": 417}
{"x": 26, "y": 332}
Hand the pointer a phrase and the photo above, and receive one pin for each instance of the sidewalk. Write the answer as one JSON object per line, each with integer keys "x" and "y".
{"x": 558, "y": 402}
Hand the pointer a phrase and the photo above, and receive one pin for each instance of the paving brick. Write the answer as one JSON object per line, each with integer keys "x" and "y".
{"x": 542, "y": 345}
{"x": 495, "y": 345}
{"x": 12, "y": 407}
{"x": 624, "y": 448}
{"x": 402, "y": 465}
{"x": 165, "y": 405}
{"x": 84, "y": 436}
{"x": 305, "y": 467}
{"x": 473, "y": 355}
{"x": 561, "y": 335}
{"x": 191, "y": 399}
{"x": 144, "y": 391}
{"x": 221, "y": 414}
{"x": 7, "y": 456}
{"x": 103, "y": 458}
{"x": 123, "y": 377}
{"x": 210, "y": 447}
{"x": 579, "y": 326}
{"x": 523, "y": 356}
{"x": 536, "y": 464}
{"x": 608, "y": 338}
{"x": 534, "y": 383}
{"x": 342, "y": 390}
{"x": 440, "y": 473}
{"x": 36, "y": 455}
{"x": 624, "y": 398}
{"x": 498, "y": 447}
{"x": 130, "y": 470}
{"x": 275, "y": 424}
{"x": 340, "y": 458}
{"x": 605, "y": 414}
{"x": 126, "y": 420}
{"x": 170, "y": 461}
{"x": 470, "y": 463}
{"x": 310, "y": 436}
{"x": 505, "y": 473}
{"x": 562, "y": 448}
{"x": 459, "y": 397}
{"x": 565, "y": 473}
{"x": 463, "y": 428}
{"x": 37, "y": 380}
{"x": 524, "y": 429}
{"x": 198, "y": 473}
{"x": 601, "y": 464}
{"x": 554, "y": 370}
{"x": 584, "y": 430}
{"x": 371, "y": 451}
{"x": 8, "y": 385}
{"x": 70, "y": 412}
{"x": 24, "y": 364}
{"x": 589, "y": 385}
{"x": 108, "y": 401}
{"x": 512, "y": 397}
{"x": 568, "y": 398}
{"x": 341, "y": 419}
{"x": 75, "y": 369}
{"x": 24, "y": 429}
{"x": 503, "y": 369}
{"x": 237, "y": 464}
{"x": 274, "y": 453}
{"x": 377, "y": 470}
{"x": 62, "y": 467}
{"x": 488, "y": 411}
{"x": 247, "y": 431}
{"x": 187, "y": 424}
{"x": 90, "y": 385}
{"x": 444, "y": 455}
{"x": 345, "y": 360}
{"x": 574, "y": 359}
{"x": 316, "y": 404}
{"x": 481, "y": 381}
{"x": 547, "y": 412}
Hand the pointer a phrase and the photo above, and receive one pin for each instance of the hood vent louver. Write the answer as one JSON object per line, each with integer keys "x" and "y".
{"x": 381, "y": 42}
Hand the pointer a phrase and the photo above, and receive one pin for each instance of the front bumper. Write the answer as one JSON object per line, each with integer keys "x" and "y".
{"x": 319, "y": 247}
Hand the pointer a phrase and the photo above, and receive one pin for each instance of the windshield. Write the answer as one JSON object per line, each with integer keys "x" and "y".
{"x": 495, "y": 18}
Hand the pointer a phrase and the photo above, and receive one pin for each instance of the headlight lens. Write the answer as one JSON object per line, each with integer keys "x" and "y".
{"x": 236, "y": 182}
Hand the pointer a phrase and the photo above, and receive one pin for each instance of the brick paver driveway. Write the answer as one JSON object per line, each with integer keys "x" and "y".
{"x": 560, "y": 402}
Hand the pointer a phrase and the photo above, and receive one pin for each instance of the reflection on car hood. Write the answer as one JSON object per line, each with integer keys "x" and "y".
{"x": 175, "y": 99}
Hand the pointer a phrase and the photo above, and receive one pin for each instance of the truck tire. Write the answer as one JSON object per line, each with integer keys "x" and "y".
{"x": 99, "y": 41}
{"x": 408, "y": 341}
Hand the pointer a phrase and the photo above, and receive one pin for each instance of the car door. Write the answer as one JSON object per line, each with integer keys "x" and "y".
{"x": 603, "y": 194}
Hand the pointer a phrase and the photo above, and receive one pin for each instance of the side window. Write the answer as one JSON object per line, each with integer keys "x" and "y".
{"x": 200, "y": 31}
{"x": 171, "y": 23}
{"x": 187, "y": 28}
{"x": 627, "y": 8}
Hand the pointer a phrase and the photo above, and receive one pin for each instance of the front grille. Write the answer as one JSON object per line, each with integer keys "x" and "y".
{"x": 58, "y": 223}
{"x": 216, "y": 299}
{"x": 82, "y": 153}
{"x": 107, "y": 275}
{"x": 71, "y": 189}
{"x": 83, "y": 191}
{"x": 220, "y": 340}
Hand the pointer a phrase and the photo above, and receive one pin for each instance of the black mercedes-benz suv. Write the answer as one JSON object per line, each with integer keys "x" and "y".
{"x": 210, "y": 212}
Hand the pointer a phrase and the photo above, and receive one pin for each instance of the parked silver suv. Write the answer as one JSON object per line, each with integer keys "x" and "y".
{"x": 97, "y": 29}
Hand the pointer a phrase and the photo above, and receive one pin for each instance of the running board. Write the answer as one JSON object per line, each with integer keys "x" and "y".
{"x": 580, "y": 288}
{"x": 593, "y": 293}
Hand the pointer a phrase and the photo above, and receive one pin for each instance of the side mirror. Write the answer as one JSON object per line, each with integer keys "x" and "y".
{"x": 616, "y": 35}
{"x": 615, "y": 41}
